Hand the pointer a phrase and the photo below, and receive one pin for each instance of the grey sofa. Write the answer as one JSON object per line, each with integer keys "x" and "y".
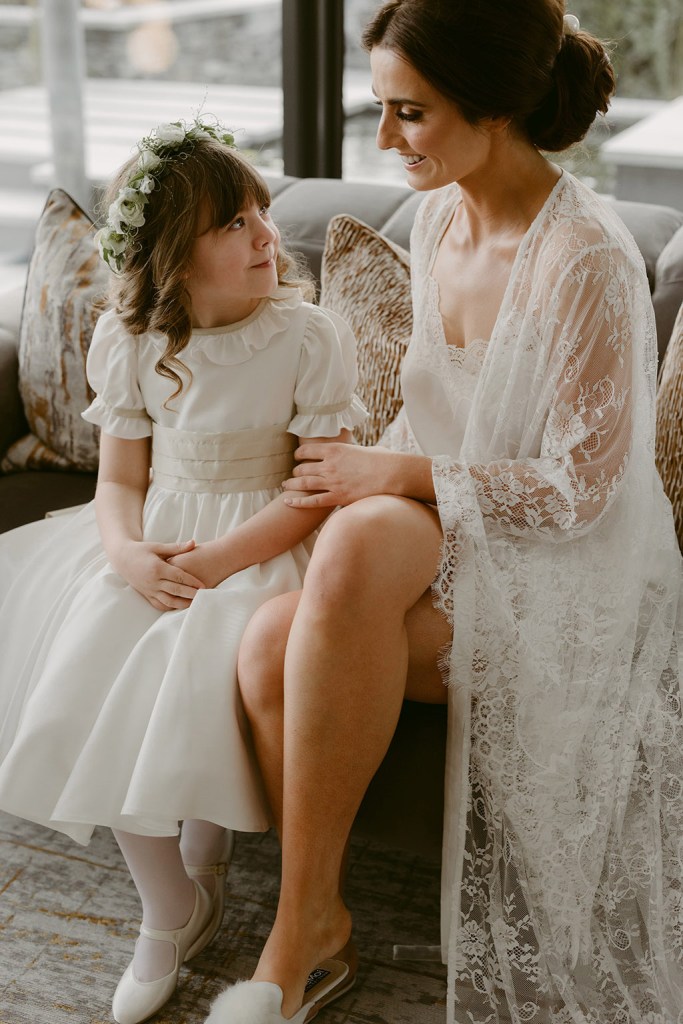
{"x": 404, "y": 804}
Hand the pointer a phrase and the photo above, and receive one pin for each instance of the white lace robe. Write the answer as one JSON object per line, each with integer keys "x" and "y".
{"x": 563, "y": 845}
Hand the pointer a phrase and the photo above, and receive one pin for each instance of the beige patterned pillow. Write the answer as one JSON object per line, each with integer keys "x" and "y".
{"x": 66, "y": 281}
{"x": 366, "y": 279}
{"x": 669, "y": 447}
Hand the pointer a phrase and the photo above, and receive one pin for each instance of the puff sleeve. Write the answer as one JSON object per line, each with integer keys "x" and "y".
{"x": 111, "y": 367}
{"x": 324, "y": 395}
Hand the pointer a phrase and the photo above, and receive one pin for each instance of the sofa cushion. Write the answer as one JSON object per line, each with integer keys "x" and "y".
{"x": 652, "y": 227}
{"x": 65, "y": 285}
{"x": 11, "y": 299}
{"x": 366, "y": 279}
{"x": 669, "y": 446}
{"x": 302, "y": 211}
{"x": 668, "y": 293}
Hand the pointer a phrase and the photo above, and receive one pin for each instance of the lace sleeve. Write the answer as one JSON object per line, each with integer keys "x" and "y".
{"x": 584, "y": 416}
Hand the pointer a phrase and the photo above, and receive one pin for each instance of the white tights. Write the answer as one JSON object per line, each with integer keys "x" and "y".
{"x": 157, "y": 867}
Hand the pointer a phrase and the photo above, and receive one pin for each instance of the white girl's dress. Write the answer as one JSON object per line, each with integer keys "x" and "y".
{"x": 113, "y": 713}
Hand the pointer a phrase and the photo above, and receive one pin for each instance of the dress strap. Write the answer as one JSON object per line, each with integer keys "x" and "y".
{"x": 242, "y": 460}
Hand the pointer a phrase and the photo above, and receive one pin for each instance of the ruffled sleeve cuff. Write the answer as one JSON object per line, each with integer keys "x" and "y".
{"x": 328, "y": 420}
{"x": 112, "y": 371}
{"x": 324, "y": 398}
{"x": 130, "y": 424}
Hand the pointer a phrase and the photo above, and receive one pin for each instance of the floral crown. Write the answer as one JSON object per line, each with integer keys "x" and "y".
{"x": 127, "y": 213}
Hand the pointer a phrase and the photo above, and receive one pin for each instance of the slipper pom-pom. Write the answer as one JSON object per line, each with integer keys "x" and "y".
{"x": 248, "y": 1002}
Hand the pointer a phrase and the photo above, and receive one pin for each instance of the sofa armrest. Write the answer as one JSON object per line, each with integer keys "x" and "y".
{"x": 12, "y": 420}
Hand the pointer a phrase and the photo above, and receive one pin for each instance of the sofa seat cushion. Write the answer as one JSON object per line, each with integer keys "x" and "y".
{"x": 27, "y": 496}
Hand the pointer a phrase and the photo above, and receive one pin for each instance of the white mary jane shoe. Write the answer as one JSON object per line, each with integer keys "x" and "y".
{"x": 134, "y": 1001}
{"x": 260, "y": 1002}
{"x": 219, "y": 870}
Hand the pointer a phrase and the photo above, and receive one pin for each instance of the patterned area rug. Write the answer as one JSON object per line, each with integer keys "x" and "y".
{"x": 69, "y": 917}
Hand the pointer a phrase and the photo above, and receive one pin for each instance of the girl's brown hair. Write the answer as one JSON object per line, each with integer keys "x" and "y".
{"x": 498, "y": 58}
{"x": 150, "y": 292}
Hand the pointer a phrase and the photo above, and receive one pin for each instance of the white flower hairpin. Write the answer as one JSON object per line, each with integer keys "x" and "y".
{"x": 127, "y": 212}
{"x": 571, "y": 24}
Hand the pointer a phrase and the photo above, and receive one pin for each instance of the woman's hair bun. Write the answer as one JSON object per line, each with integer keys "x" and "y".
{"x": 583, "y": 81}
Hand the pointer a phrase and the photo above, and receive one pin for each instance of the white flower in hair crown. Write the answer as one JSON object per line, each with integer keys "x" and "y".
{"x": 127, "y": 213}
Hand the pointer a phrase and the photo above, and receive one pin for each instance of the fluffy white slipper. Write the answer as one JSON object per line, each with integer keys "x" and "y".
{"x": 260, "y": 1002}
{"x": 252, "y": 1002}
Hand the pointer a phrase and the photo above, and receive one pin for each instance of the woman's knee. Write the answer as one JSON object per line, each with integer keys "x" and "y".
{"x": 261, "y": 659}
{"x": 368, "y": 546}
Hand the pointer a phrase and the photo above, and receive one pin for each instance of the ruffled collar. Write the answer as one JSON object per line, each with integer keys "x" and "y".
{"x": 235, "y": 343}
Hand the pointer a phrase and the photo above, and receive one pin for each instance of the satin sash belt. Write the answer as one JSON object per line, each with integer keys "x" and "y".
{"x": 243, "y": 460}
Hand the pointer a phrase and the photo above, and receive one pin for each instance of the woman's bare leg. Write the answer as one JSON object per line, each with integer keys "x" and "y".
{"x": 261, "y": 671}
{"x": 345, "y": 677}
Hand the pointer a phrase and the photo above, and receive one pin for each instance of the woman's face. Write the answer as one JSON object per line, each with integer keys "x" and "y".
{"x": 435, "y": 142}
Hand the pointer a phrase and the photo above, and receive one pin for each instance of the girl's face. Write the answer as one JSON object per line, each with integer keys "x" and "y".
{"x": 235, "y": 264}
{"x": 436, "y": 144}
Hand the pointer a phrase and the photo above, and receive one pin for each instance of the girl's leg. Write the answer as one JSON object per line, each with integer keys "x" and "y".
{"x": 203, "y": 844}
{"x": 166, "y": 893}
{"x": 345, "y": 677}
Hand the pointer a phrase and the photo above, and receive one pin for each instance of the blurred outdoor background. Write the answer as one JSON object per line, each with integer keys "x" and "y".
{"x": 151, "y": 60}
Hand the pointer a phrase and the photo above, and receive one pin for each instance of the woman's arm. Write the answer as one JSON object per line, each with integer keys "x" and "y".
{"x": 586, "y": 427}
{"x": 341, "y": 474}
{"x": 122, "y": 483}
{"x": 272, "y": 530}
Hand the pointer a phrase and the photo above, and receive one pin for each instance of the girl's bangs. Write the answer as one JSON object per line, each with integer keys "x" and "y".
{"x": 228, "y": 193}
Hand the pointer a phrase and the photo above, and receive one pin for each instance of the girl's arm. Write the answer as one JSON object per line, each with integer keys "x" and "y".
{"x": 122, "y": 483}
{"x": 276, "y": 528}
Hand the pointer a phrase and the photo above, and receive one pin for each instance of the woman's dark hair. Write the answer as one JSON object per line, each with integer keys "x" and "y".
{"x": 150, "y": 294}
{"x": 499, "y": 58}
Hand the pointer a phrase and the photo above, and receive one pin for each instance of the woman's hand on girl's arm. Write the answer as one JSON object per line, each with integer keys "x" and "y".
{"x": 276, "y": 528}
{"x": 339, "y": 474}
{"x": 122, "y": 484}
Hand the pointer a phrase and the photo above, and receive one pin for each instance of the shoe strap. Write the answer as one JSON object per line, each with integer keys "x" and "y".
{"x": 196, "y": 870}
{"x": 159, "y": 934}
{"x": 173, "y": 934}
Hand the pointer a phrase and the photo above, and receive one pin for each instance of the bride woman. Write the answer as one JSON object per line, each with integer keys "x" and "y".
{"x": 514, "y": 518}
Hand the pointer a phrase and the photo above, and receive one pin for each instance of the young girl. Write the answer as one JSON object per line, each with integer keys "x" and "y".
{"x": 118, "y": 697}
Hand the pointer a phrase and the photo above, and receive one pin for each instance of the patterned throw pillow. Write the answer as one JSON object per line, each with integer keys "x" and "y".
{"x": 669, "y": 447}
{"x": 366, "y": 279}
{"x": 66, "y": 281}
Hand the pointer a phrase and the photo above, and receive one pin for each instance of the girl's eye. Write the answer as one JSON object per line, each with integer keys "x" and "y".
{"x": 265, "y": 210}
{"x": 237, "y": 223}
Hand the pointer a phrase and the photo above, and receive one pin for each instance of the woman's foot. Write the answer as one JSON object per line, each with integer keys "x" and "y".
{"x": 260, "y": 1002}
{"x": 296, "y": 948}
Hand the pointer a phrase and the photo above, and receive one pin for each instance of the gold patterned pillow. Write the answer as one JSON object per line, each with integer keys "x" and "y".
{"x": 366, "y": 279}
{"x": 65, "y": 285}
{"x": 669, "y": 446}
